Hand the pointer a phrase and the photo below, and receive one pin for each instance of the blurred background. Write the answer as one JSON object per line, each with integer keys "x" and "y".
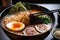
{"x": 31, "y": 1}
{"x": 50, "y": 4}
{"x": 6, "y": 3}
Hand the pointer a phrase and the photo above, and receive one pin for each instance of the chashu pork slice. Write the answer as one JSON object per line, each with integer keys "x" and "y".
{"x": 42, "y": 27}
{"x": 30, "y": 31}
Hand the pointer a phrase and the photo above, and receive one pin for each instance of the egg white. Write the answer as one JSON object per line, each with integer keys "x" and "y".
{"x": 9, "y": 25}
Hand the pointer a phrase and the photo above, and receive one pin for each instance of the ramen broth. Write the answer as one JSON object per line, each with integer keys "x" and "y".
{"x": 19, "y": 23}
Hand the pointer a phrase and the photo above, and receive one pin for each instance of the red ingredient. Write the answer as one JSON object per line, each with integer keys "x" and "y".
{"x": 17, "y": 25}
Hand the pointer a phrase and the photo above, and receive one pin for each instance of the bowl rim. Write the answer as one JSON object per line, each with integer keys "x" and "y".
{"x": 18, "y": 34}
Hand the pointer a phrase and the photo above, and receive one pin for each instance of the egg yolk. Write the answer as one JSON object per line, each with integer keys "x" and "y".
{"x": 17, "y": 25}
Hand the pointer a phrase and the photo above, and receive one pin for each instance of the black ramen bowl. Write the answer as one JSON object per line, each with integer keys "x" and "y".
{"x": 42, "y": 36}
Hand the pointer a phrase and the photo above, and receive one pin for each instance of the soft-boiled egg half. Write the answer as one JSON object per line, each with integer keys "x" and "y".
{"x": 15, "y": 26}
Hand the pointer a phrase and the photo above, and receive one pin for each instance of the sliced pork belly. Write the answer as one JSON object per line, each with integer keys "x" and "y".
{"x": 42, "y": 27}
{"x": 29, "y": 31}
